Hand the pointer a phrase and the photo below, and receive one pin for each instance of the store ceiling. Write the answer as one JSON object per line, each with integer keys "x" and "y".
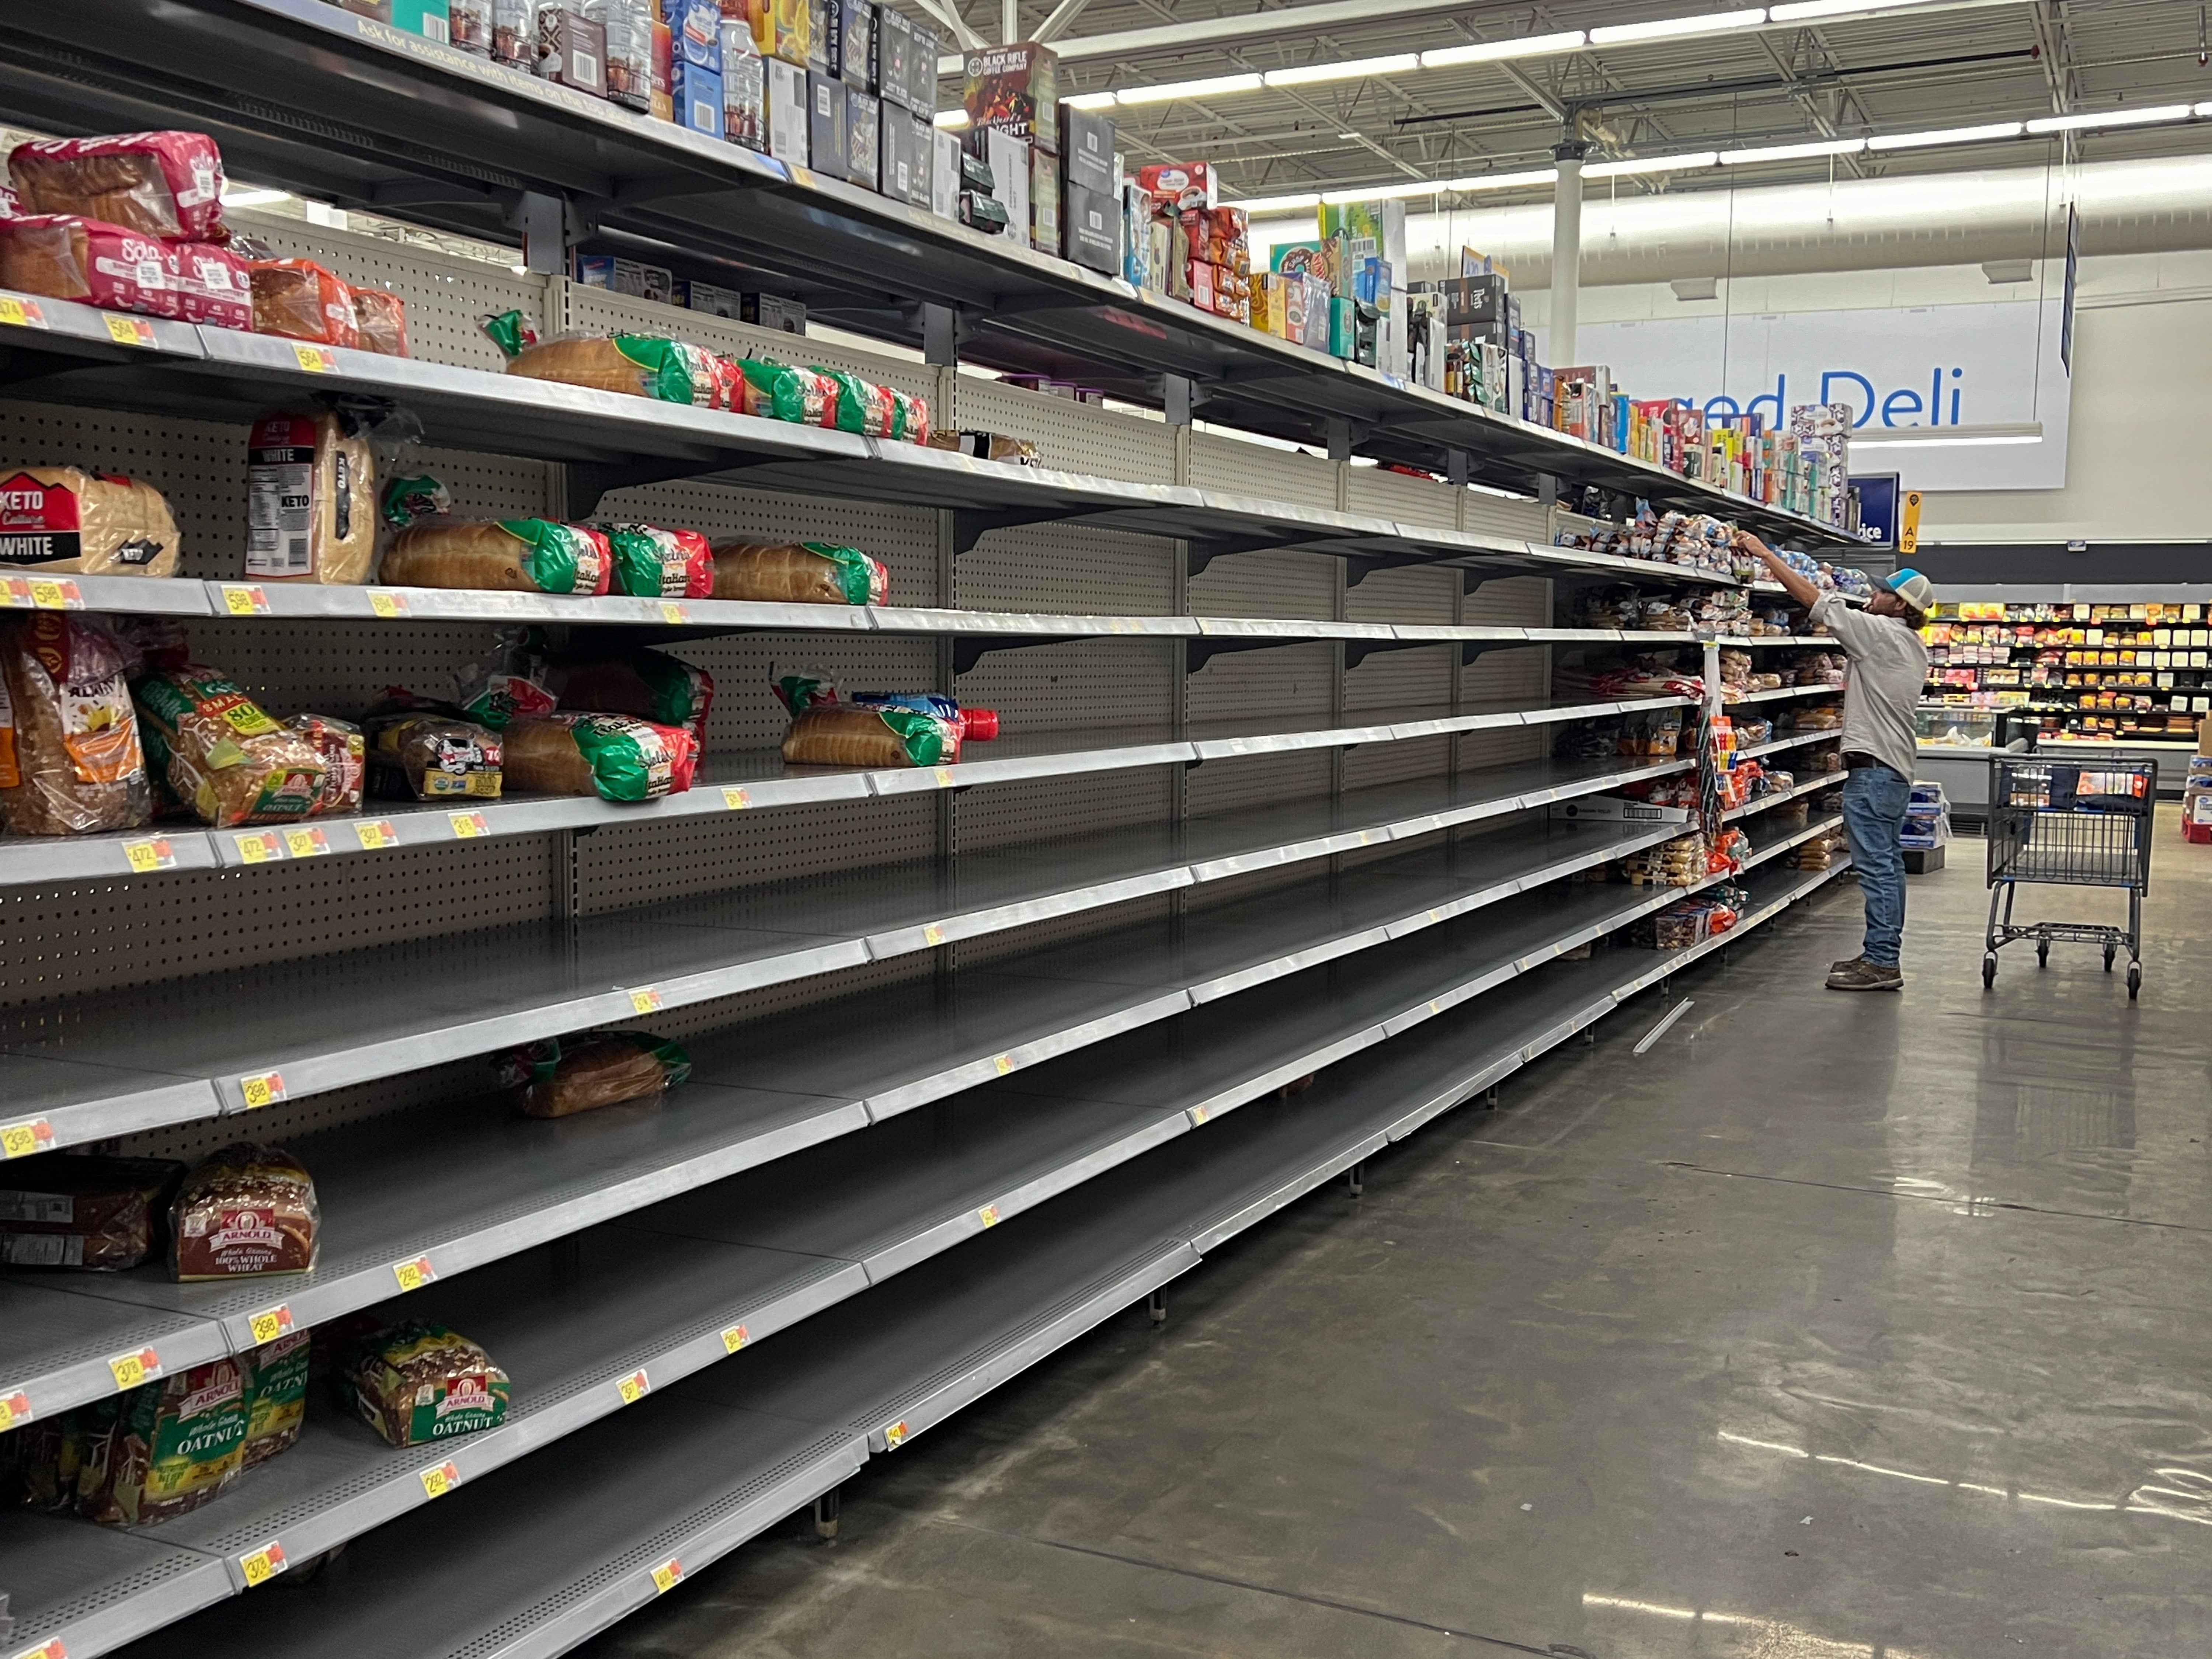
{"x": 1903, "y": 71}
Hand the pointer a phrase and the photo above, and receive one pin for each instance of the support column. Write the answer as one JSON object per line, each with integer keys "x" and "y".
{"x": 1566, "y": 250}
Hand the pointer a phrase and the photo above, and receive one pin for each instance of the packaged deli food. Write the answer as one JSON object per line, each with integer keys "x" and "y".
{"x": 428, "y": 757}
{"x": 345, "y": 760}
{"x": 275, "y": 1395}
{"x": 421, "y": 1382}
{"x": 221, "y": 754}
{"x": 302, "y": 300}
{"x": 799, "y": 572}
{"x": 174, "y": 1445}
{"x": 515, "y": 555}
{"x": 380, "y": 321}
{"x": 614, "y": 757}
{"x": 71, "y": 761}
{"x": 850, "y": 734}
{"x": 636, "y": 365}
{"x": 652, "y": 563}
{"x": 213, "y": 286}
{"x": 244, "y": 1211}
{"x": 158, "y": 183}
{"x": 64, "y": 521}
{"x": 650, "y": 685}
{"x": 66, "y": 258}
{"x": 68, "y": 1210}
{"x": 561, "y": 1076}
{"x": 311, "y": 498}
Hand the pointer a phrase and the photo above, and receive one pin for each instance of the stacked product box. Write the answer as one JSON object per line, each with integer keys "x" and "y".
{"x": 2196, "y": 799}
{"x": 1012, "y": 92}
{"x": 1090, "y": 215}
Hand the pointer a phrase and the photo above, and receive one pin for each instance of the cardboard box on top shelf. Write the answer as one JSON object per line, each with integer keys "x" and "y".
{"x": 1086, "y": 151}
{"x": 431, "y": 19}
{"x": 572, "y": 50}
{"x": 852, "y": 43}
{"x": 660, "y": 102}
{"x": 908, "y": 154}
{"x": 710, "y": 298}
{"x": 790, "y": 126}
{"x": 1091, "y": 229}
{"x": 1044, "y": 201}
{"x": 818, "y": 37}
{"x": 825, "y": 125}
{"x": 744, "y": 87}
{"x": 863, "y": 138}
{"x": 943, "y": 172}
{"x": 697, "y": 95}
{"x": 633, "y": 277}
{"x": 1008, "y": 157}
{"x": 894, "y": 47}
{"x": 1183, "y": 184}
{"x": 773, "y": 310}
{"x": 791, "y": 31}
{"x": 921, "y": 71}
{"x": 1014, "y": 88}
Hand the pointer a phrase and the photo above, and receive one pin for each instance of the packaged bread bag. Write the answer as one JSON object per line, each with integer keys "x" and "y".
{"x": 650, "y": 685}
{"x": 426, "y": 755}
{"x": 213, "y": 286}
{"x": 174, "y": 1445}
{"x": 245, "y": 1210}
{"x": 560, "y": 1077}
{"x": 515, "y": 555}
{"x": 636, "y": 365}
{"x": 275, "y": 1395}
{"x": 423, "y": 1383}
{"x": 652, "y": 563}
{"x": 345, "y": 755}
{"x": 221, "y": 755}
{"x": 76, "y": 1211}
{"x": 302, "y": 301}
{"x": 379, "y": 318}
{"x": 158, "y": 183}
{"x": 615, "y": 757}
{"x": 66, "y": 521}
{"x": 799, "y": 572}
{"x": 311, "y": 498}
{"x": 67, "y": 257}
{"x": 71, "y": 761}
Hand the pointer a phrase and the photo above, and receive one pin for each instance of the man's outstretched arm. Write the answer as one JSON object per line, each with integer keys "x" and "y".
{"x": 1798, "y": 589}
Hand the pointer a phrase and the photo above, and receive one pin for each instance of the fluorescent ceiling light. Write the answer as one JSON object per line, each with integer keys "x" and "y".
{"x": 1091, "y": 101}
{"x": 1357, "y": 69}
{"x": 2111, "y": 118}
{"x": 251, "y": 197}
{"x": 1949, "y": 135}
{"x": 1493, "y": 51}
{"x": 1733, "y": 158}
{"x": 1262, "y": 204}
{"x": 1206, "y": 89}
{"x": 1503, "y": 180}
{"x": 1382, "y": 192}
{"x": 1683, "y": 163}
{"x": 1799, "y": 11}
{"x": 1670, "y": 28}
{"x": 2204, "y": 109}
{"x": 951, "y": 119}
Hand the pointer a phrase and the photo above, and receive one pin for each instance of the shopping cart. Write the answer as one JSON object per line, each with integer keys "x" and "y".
{"x": 2069, "y": 826}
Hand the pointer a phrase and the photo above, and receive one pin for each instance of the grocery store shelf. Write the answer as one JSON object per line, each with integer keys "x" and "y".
{"x": 1771, "y": 845}
{"x": 1791, "y": 740}
{"x": 1777, "y": 694}
{"x": 1751, "y": 642}
{"x": 1775, "y": 797}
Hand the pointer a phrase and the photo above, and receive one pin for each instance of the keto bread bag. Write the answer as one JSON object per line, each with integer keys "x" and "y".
{"x": 421, "y": 1382}
{"x": 71, "y": 761}
{"x": 799, "y": 572}
{"x": 173, "y": 1446}
{"x": 64, "y": 521}
{"x": 275, "y": 1395}
{"x": 95, "y": 264}
{"x": 311, "y": 498}
{"x": 302, "y": 301}
{"x": 652, "y": 563}
{"x": 221, "y": 755}
{"x": 98, "y": 1214}
{"x": 158, "y": 183}
{"x": 637, "y": 365}
{"x": 244, "y": 1210}
{"x": 431, "y": 756}
{"x": 650, "y": 685}
{"x": 513, "y": 555}
{"x": 561, "y": 1076}
{"x": 614, "y": 757}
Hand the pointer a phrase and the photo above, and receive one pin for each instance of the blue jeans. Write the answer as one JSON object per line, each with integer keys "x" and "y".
{"x": 1874, "y": 817}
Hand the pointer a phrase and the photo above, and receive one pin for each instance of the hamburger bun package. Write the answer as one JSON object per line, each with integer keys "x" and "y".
{"x": 70, "y": 762}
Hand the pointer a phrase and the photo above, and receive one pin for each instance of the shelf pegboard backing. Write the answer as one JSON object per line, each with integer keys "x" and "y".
{"x": 1230, "y": 785}
{"x": 1394, "y": 762}
{"x": 1501, "y": 516}
{"x": 1419, "y": 677}
{"x": 1074, "y": 685}
{"x": 745, "y": 713}
{"x": 625, "y": 865}
{"x": 1235, "y": 467}
{"x": 1296, "y": 584}
{"x": 1069, "y": 569}
{"x": 1400, "y": 498}
{"x": 1511, "y": 602}
{"x": 1283, "y": 682}
{"x": 1044, "y": 809}
{"x": 94, "y": 936}
{"x": 1407, "y": 594}
{"x": 974, "y": 953}
{"x": 1070, "y": 437}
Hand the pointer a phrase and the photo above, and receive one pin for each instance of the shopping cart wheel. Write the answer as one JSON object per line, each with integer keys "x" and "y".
{"x": 1989, "y": 969}
{"x": 2043, "y": 953}
{"x": 2110, "y": 951}
{"x": 2135, "y": 979}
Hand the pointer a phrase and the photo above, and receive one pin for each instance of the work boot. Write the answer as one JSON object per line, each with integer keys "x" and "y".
{"x": 1846, "y": 964}
{"x": 1865, "y": 976}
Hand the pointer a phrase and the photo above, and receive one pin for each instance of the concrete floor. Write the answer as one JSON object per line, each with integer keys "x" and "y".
{"x": 1833, "y": 1326}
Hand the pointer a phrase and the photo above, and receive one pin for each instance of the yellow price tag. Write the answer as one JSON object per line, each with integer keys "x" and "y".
{"x": 734, "y": 1338}
{"x": 259, "y": 845}
{"x": 439, "y": 1480}
{"x": 414, "y": 1275}
{"x": 934, "y": 934}
{"x": 735, "y": 798}
{"x": 316, "y": 360}
{"x": 145, "y": 857}
{"x": 129, "y": 1370}
{"x": 386, "y": 605}
{"x": 48, "y": 594}
{"x": 988, "y": 1215}
{"x": 53, "y": 1650}
{"x": 646, "y": 1002}
{"x": 307, "y": 843}
{"x": 673, "y": 614}
{"x": 1005, "y": 1063}
{"x": 271, "y": 1323}
{"x": 666, "y": 1577}
{"x": 376, "y": 834}
{"x": 21, "y": 313}
{"x": 944, "y": 777}
{"x": 264, "y": 1089}
{"x": 896, "y": 1435}
{"x": 242, "y": 601}
{"x": 129, "y": 330}
{"x": 468, "y": 825}
{"x": 264, "y": 1564}
{"x": 16, "y": 1405}
{"x": 1198, "y": 1115}
{"x": 22, "y": 1139}
{"x": 635, "y": 1387}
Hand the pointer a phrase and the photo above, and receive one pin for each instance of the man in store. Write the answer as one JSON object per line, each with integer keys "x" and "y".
{"x": 1889, "y": 665}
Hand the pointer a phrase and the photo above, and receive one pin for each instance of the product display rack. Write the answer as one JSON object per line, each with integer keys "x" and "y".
{"x": 1017, "y": 988}
{"x": 2085, "y": 669}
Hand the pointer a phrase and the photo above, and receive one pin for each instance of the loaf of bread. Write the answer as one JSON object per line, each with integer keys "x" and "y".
{"x": 345, "y": 760}
{"x": 559, "y": 1076}
{"x": 244, "y": 1210}
{"x": 652, "y": 563}
{"x": 63, "y": 521}
{"x": 300, "y": 300}
{"x": 635, "y": 365}
{"x": 614, "y": 757}
{"x": 213, "y": 286}
{"x": 158, "y": 183}
{"x": 99, "y": 1214}
{"x": 423, "y": 756}
{"x": 69, "y": 757}
{"x": 222, "y": 756}
{"x": 166, "y": 1447}
{"x": 513, "y": 555}
{"x": 275, "y": 1394}
{"x": 68, "y": 258}
{"x": 311, "y": 498}
{"x": 650, "y": 685}
{"x": 379, "y": 319}
{"x": 420, "y": 1383}
{"x": 799, "y": 572}
{"x": 846, "y": 734}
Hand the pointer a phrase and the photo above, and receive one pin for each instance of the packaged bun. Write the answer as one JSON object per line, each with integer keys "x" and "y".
{"x": 245, "y": 1210}
{"x": 221, "y": 755}
{"x": 213, "y": 286}
{"x": 97, "y": 1214}
{"x": 847, "y": 734}
{"x": 614, "y": 757}
{"x": 561, "y": 1076}
{"x": 429, "y": 757}
{"x": 311, "y": 498}
{"x": 635, "y": 365}
{"x": 799, "y": 572}
{"x": 421, "y": 1383}
{"x": 67, "y": 257}
{"x": 379, "y": 319}
{"x": 158, "y": 183}
{"x": 650, "y": 685}
{"x": 654, "y": 563}
{"x": 345, "y": 760}
{"x": 63, "y": 521}
{"x": 71, "y": 761}
{"x": 514, "y": 555}
{"x": 302, "y": 300}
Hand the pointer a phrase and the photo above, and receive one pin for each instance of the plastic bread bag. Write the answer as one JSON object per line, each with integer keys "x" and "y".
{"x": 777, "y": 392}
{"x": 90, "y": 1213}
{"x": 67, "y": 257}
{"x": 421, "y": 1383}
{"x": 862, "y": 406}
{"x": 159, "y": 184}
{"x": 213, "y": 286}
{"x": 244, "y": 1211}
{"x": 275, "y": 1395}
{"x": 649, "y": 684}
{"x": 64, "y": 521}
{"x": 428, "y": 757}
{"x": 224, "y": 755}
{"x": 615, "y": 757}
{"x": 652, "y": 564}
{"x": 909, "y": 416}
{"x": 311, "y": 496}
{"x": 799, "y": 572}
{"x": 379, "y": 320}
{"x": 635, "y": 365}
{"x": 301, "y": 299}
{"x": 71, "y": 761}
{"x": 345, "y": 763}
{"x": 851, "y": 734}
{"x": 175, "y": 1444}
{"x": 511, "y": 686}
{"x": 561, "y": 1076}
{"x": 516, "y": 556}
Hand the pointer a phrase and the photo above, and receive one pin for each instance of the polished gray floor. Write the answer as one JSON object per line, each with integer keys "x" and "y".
{"x": 1832, "y": 1326}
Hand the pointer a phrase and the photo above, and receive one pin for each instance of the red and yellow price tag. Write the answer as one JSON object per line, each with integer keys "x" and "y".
{"x": 635, "y": 1387}
{"x": 21, "y": 1139}
{"x": 895, "y": 1435}
{"x": 145, "y": 857}
{"x": 129, "y": 1370}
{"x": 258, "y": 845}
{"x": 734, "y": 1338}
{"x": 129, "y": 330}
{"x": 19, "y": 313}
{"x": 667, "y": 1575}
{"x": 376, "y": 834}
{"x": 384, "y": 603}
{"x": 673, "y": 614}
{"x": 309, "y": 843}
{"x": 262, "y": 1089}
{"x": 468, "y": 825}
{"x": 414, "y": 1274}
{"x": 51, "y": 1650}
{"x": 933, "y": 934}
{"x": 262, "y": 1565}
{"x": 944, "y": 775}
{"x": 49, "y": 594}
{"x": 16, "y": 1405}
{"x": 1198, "y": 1115}
{"x": 271, "y": 1323}
{"x": 736, "y": 799}
{"x": 1002, "y": 1064}
{"x": 988, "y": 1215}
{"x": 645, "y": 1000}
{"x": 439, "y": 1480}
{"x": 316, "y": 360}
{"x": 240, "y": 600}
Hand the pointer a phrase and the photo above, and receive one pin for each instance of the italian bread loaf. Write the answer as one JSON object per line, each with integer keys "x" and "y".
{"x": 799, "y": 572}
{"x": 513, "y": 555}
{"x": 847, "y": 734}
